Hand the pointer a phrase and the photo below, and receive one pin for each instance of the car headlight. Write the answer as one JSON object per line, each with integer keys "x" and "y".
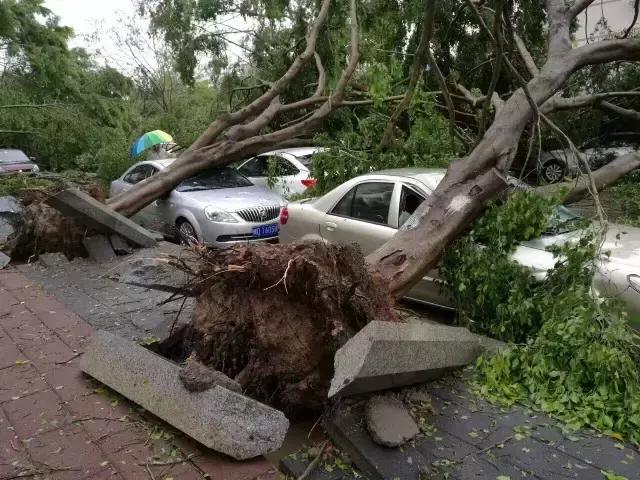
{"x": 35, "y": 169}
{"x": 217, "y": 215}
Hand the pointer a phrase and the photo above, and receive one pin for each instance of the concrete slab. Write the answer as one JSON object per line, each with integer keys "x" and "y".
{"x": 220, "y": 419}
{"x": 99, "y": 248}
{"x": 99, "y": 216}
{"x": 387, "y": 355}
{"x": 389, "y": 421}
{"x": 4, "y": 260}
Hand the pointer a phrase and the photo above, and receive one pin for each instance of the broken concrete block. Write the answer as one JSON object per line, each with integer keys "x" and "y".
{"x": 52, "y": 260}
{"x": 120, "y": 245}
{"x": 99, "y": 248}
{"x": 387, "y": 354}
{"x": 197, "y": 377}
{"x": 220, "y": 419}
{"x": 11, "y": 211}
{"x": 99, "y": 216}
{"x": 4, "y": 260}
{"x": 389, "y": 421}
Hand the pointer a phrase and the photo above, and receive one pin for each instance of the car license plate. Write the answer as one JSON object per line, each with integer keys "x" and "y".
{"x": 265, "y": 230}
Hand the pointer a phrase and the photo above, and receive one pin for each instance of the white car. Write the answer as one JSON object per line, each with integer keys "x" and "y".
{"x": 370, "y": 208}
{"x": 291, "y": 170}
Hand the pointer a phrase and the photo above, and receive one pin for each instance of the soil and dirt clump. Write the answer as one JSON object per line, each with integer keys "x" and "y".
{"x": 271, "y": 317}
{"x": 30, "y": 227}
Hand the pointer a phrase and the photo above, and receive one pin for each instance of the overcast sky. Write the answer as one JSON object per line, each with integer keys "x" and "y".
{"x": 92, "y": 17}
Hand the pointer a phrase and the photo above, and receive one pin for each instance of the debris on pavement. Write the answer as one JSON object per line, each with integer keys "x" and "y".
{"x": 4, "y": 260}
{"x": 220, "y": 419}
{"x": 389, "y": 421}
{"x": 120, "y": 245}
{"x": 386, "y": 355}
{"x": 157, "y": 272}
{"x": 52, "y": 259}
{"x": 99, "y": 217}
{"x": 99, "y": 248}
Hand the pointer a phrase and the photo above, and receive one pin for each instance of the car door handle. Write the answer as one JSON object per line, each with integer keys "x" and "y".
{"x": 331, "y": 226}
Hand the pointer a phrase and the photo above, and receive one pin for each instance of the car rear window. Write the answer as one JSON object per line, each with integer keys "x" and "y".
{"x": 13, "y": 156}
{"x": 214, "y": 179}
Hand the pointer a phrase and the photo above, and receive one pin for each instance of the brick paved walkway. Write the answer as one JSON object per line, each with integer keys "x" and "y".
{"x": 56, "y": 423}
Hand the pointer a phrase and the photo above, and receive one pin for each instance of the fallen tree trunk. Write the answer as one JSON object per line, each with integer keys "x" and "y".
{"x": 469, "y": 182}
{"x": 603, "y": 177}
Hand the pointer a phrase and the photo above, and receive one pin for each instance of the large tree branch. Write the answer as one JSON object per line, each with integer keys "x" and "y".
{"x": 603, "y": 177}
{"x": 526, "y": 55}
{"x": 497, "y": 68}
{"x": 36, "y": 105}
{"x": 260, "y": 103}
{"x": 636, "y": 10}
{"x": 240, "y": 132}
{"x": 559, "y": 27}
{"x": 558, "y": 103}
{"x": 419, "y": 60}
{"x": 578, "y": 7}
{"x": 620, "y": 111}
{"x": 451, "y": 109}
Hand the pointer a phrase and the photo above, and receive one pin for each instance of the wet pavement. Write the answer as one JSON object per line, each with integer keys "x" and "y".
{"x": 56, "y": 423}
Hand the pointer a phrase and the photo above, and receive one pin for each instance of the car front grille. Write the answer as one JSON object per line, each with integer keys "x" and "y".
{"x": 245, "y": 238}
{"x": 259, "y": 214}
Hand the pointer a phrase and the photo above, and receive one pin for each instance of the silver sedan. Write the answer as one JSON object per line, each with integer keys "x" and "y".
{"x": 218, "y": 207}
{"x": 369, "y": 210}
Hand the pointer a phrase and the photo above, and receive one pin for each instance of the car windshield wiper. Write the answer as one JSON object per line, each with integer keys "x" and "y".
{"x": 195, "y": 189}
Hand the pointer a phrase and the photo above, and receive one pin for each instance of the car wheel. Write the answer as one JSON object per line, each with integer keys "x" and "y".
{"x": 186, "y": 233}
{"x": 553, "y": 171}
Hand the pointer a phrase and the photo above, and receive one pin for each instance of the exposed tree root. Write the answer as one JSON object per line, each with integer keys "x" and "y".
{"x": 40, "y": 228}
{"x": 272, "y": 316}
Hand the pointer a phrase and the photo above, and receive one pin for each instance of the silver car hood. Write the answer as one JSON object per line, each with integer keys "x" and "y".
{"x": 622, "y": 243}
{"x": 233, "y": 199}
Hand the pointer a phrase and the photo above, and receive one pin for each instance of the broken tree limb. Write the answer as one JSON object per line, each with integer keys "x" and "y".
{"x": 620, "y": 111}
{"x": 419, "y": 60}
{"x": 227, "y": 150}
{"x": 259, "y": 104}
{"x": 558, "y": 103}
{"x": 603, "y": 177}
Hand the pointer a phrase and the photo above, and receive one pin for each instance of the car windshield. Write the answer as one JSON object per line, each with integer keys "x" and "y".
{"x": 214, "y": 179}
{"x": 13, "y": 156}
{"x": 562, "y": 220}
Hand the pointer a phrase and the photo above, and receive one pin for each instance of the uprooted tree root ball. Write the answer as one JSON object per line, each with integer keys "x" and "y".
{"x": 273, "y": 316}
{"x": 39, "y": 228}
